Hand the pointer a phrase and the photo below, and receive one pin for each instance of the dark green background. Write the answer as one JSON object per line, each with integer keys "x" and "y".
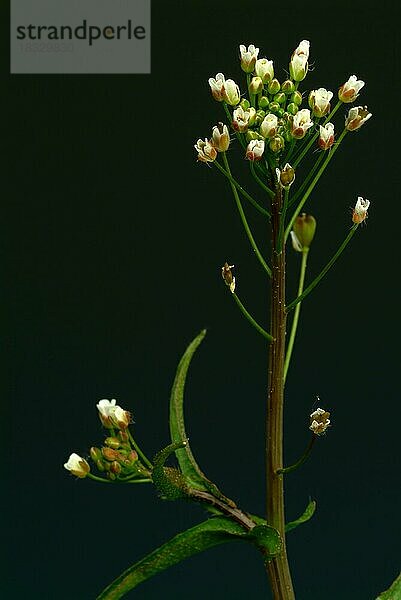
{"x": 112, "y": 242}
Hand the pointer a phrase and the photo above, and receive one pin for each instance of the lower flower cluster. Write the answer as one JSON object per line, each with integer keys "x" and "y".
{"x": 119, "y": 458}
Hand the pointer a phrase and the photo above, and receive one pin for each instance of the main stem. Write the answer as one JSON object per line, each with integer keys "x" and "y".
{"x": 277, "y": 568}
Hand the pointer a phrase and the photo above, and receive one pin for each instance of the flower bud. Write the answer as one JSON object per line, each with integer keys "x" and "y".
{"x": 260, "y": 115}
{"x": 115, "y": 467}
{"x": 301, "y": 123}
{"x": 255, "y": 150}
{"x": 273, "y": 87}
{"x": 206, "y": 151}
{"x": 111, "y": 476}
{"x": 319, "y": 102}
{"x": 255, "y": 86}
{"x": 304, "y": 228}
{"x": 292, "y": 108}
{"x": 217, "y": 87}
{"x": 264, "y": 69}
{"x": 248, "y": 57}
{"x": 124, "y": 437}
{"x": 100, "y": 465}
{"x": 276, "y": 144}
{"x": 288, "y": 86}
{"x": 112, "y": 442}
{"x": 263, "y": 101}
{"x": 296, "y": 244}
{"x": 231, "y": 93}
{"x": 220, "y": 137}
{"x": 95, "y": 454}
{"x": 319, "y": 421}
{"x": 280, "y": 98}
{"x": 274, "y": 107}
{"x": 357, "y": 116}
{"x": 110, "y": 454}
{"x": 326, "y": 136}
{"x": 228, "y": 276}
{"x": 269, "y": 125}
{"x": 361, "y": 210}
{"x": 296, "y": 97}
{"x": 252, "y": 135}
{"x": 244, "y": 104}
{"x": 349, "y": 91}
{"x": 77, "y": 466}
{"x": 286, "y": 176}
{"x": 299, "y": 61}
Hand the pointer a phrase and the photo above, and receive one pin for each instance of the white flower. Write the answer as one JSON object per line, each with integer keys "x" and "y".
{"x": 206, "y": 151}
{"x": 248, "y": 57}
{"x": 217, "y": 86}
{"x": 255, "y": 150}
{"x": 121, "y": 417}
{"x": 301, "y": 123}
{"x": 349, "y": 91}
{"x": 77, "y": 465}
{"x": 299, "y": 61}
{"x": 231, "y": 93}
{"x": 268, "y": 127}
{"x": 319, "y": 421}
{"x": 319, "y": 101}
{"x": 264, "y": 69}
{"x": 357, "y": 116}
{"x": 106, "y": 408}
{"x": 242, "y": 119}
{"x": 361, "y": 210}
{"x": 326, "y": 136}
{"x": 220, "y": 137}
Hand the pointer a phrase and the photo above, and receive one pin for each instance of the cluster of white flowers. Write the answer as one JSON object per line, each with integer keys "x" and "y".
{"x": 319, "y": 421}
{"x": 272, "y": 117}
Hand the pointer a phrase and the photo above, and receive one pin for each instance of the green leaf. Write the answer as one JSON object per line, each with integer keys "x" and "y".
{"x": 394, "y": 592}
{"x": 217, "y": 530}
{"x": 306, "y": 515}
{"x": 189, "y": 467}
{"x": 267, "y": 539}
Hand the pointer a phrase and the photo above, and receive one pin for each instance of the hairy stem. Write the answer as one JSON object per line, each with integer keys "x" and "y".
{"x": 277, "y": 568}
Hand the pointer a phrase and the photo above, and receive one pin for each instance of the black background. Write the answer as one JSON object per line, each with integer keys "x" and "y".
{"x": 112, "y": 242}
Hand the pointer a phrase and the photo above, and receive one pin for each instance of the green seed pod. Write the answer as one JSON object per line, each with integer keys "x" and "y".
{"x": 276, "y": 144}
{"x": 304, "y": 228}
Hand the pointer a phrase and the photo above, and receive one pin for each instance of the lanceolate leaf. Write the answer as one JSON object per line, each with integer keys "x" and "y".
{"x": 216, "y": 530}
{"x": 394, "y": 592}
{"x": 307, "y": 514}
{"x": 189, "y": 467}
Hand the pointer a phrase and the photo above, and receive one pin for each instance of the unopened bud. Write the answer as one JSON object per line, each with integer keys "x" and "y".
{"x": 292, "y": 108}
{"x": 115, "y": 467}
{"x": 288, "y": 86}
{"x": 280, "y": 98}
{"x": 304, "y": 228}
{"x": 100, "y": 465}
{"x": 228, "y": 277}
{"x": 220, "y": 137}
{"x": 110, "y": 454}
{"x": 255, "y": 86}
{"x": 274, "y": 86}
{"x": 260, "y": 115}
{"x": 296, "y": 97}
{"x": 263, "y": 102}
{"x": 77, "y": 466}
{"x": 244, "y": 104}
{"x": 112, "y": 442}
{"x": 95, "y": 454}
{"x": 274, "y": 107}
{"x": 264, "y": 69}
